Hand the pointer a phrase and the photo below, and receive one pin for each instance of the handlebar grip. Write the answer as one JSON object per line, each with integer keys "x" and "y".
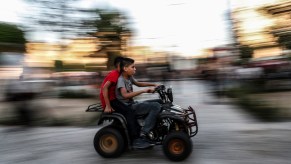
{"x": 160, "y": 87}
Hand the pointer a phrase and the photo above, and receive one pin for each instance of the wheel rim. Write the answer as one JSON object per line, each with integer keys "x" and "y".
{"x": 108, "y": 143}
{"x": 176, "y": 146}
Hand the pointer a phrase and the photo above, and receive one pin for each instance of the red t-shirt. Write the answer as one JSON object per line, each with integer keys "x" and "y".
{"x": 112, "y": 77}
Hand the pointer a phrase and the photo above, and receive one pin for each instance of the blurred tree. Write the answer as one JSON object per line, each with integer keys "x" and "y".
{"x": 246, "y": 52}
{"x": 58, "y": 65}
{"x": 69, "y": 20}
{"x": 284, "y": 40}
{"x": 62, "y": 17}
{"x": 113, "y": 32}
{"x": 10, "y": 33}
{"x": 11, "y": 38}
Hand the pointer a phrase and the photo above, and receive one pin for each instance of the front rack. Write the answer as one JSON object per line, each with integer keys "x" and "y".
{"x": 191, "y": 121}
{"x": 94, "y": 108}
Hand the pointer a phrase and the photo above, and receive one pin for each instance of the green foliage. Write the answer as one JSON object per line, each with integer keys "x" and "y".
{"x": 111, "y": 57}
{"x": 108, "y": 21}
{"x": 67, "y": 19}
{"x": 10, "y": 33}
{"x": 246, "y": 52}
{"x": 285, "y": 40}
{"x": 58, "y": 65}
{"x": 258, "y": 108}
{"x": 73, "y": 67}
{"x": 62, "y": 17}
{"x": 116, "y": 23}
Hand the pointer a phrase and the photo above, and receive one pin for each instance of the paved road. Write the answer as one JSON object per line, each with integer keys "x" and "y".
{"x": 226, "y": 135}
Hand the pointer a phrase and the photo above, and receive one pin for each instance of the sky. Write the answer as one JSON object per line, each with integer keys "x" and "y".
{"x": 10, "y": 11}
{"x": 183, "y": 26}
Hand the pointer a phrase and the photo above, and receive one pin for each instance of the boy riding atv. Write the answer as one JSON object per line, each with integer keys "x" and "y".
{"x": 125, "y": 94}
{"x": 111, "y": 104}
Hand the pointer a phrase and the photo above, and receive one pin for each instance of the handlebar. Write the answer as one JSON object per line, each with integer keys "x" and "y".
{"x": 160, "y": 87}
{"x": 165, "y": 93}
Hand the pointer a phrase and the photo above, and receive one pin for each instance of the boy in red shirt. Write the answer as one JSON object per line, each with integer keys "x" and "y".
{"x": 107, "y": 90}
{"x": 111, "y": 104}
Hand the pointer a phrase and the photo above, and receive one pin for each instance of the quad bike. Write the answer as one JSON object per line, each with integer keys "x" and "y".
{"x": 173, "y": 130}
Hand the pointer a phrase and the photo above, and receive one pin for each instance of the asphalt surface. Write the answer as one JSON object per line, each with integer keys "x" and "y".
{"x": 226, "y": 135}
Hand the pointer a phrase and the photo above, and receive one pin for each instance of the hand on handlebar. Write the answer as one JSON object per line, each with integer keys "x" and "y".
{"x": 156, "y": 85}
{"x": 159, "y": 87}
{"x": 149, "y": 90}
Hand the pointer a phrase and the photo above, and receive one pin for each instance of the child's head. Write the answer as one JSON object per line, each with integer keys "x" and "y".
{"x": 117, "y": 62}
{"x": 127, "y": 66}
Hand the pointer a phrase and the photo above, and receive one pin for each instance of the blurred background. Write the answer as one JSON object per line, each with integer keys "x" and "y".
{"x": 229, "y": 58}
{"x": 63, "y": 49}
{"x": 54, "y": 55}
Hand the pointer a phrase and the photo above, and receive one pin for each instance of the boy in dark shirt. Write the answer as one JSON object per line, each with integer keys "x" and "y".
{"x": 125, "y": 94}
{"x": 111, "y": 104}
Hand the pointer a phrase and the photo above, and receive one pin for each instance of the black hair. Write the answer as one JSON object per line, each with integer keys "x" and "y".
{"x": 117, "y": 60}
{"x": 125, "y": 62}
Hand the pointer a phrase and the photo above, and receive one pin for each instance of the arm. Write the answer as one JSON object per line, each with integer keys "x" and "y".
{"x": 144, "y": 84}
{"x": 108, "y": 108}
{"x": 127, "y": 95}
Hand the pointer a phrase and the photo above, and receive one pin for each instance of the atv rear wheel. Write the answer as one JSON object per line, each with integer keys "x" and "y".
{"x": 109, "y": 143}
{"x": 177, "y": 146}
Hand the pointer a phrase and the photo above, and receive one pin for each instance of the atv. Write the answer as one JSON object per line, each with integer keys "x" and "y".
{"x": 173, "y": 130}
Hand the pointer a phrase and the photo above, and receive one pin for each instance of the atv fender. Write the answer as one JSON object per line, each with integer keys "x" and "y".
{"x": 118, "y": 119}
{"x": 112, "y": 117}
{"x": 174, "y": 117}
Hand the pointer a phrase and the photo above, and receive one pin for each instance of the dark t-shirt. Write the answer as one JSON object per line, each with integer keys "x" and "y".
{"x": 127, "y": 84}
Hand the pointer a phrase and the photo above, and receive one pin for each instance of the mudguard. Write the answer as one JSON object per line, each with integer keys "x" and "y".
{"x": 117, "y": 119}
{"x": 171, "y": 115}
{"x": 113, "y": 116}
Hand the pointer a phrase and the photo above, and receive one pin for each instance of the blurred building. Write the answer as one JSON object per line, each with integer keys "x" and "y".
{"x": 280, "y": 13}
{"x": 144, "y": 54}
{"x": 113, "y": 41}
{"x": 11, "y": 64}
{"x": 179, "y": 63}
{"x": 253, "y": 29}
{"x": 77, "y": 55}
{"x": 88, "y": 54}
{"x": 11, "y": 57}
{"x": 216, "y": 58}
{"x": 225, "y": 55}
{"x": 11, "y": 47}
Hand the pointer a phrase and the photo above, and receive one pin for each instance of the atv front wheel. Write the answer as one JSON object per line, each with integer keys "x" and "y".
{"x": 109, "y": 143}
{"x": 177, "y": 146}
